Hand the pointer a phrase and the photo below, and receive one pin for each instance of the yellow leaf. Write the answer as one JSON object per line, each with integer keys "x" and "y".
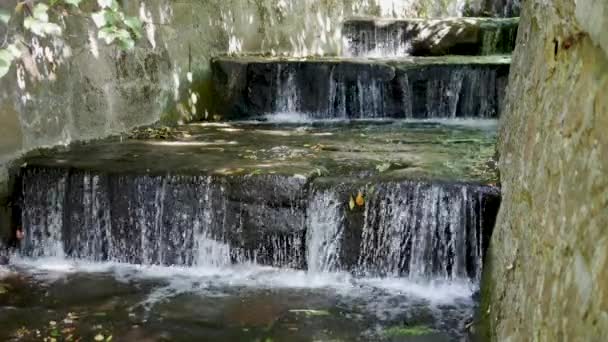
{"x": 351, "y": 203}
{"x": 360, "y": 199}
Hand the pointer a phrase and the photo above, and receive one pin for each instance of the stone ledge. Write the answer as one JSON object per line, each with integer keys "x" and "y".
{"x": 429, "y": 37}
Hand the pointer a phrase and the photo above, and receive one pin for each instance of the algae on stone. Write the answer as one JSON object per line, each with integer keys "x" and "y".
{"x": 418, "y": 330}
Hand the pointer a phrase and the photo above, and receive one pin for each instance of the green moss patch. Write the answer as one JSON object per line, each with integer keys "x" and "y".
{"x": 417, "y": 330}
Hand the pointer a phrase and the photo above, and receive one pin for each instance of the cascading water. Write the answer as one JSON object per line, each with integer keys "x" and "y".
{"x": 413, "y": 229}
{"x": 423, "y": 230}
{"x": 193, "y": 245}
{"x": 287, "y": 98}
{"x": 350, "y": 89}
{"x": 325, "y": 223}
{"x": 150, "y": 220}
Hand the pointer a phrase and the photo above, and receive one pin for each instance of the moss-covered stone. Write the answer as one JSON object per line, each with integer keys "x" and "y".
{"x": 546, "y": 277}
{"x": 399, "y": 331}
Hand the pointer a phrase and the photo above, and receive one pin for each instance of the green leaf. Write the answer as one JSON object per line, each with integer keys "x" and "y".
{"x": 107, "y": 34}
{"x": 105, "y": 3}
{"x": 126, "y": 43}
{"x": 40, "y": 12}
{"x": 42, "y": 28}
{"x": 6, "y": 58}
{"x": 5, "y": 16}
{"x": 99, "y": 19}
{"x": 73, "y": 2}
{"x": 14, "y": 50}
{"x": 110, "y": 17}
{"x": 134, "y": 24}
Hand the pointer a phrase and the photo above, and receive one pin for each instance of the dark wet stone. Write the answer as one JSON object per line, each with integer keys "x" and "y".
{"x": 263, "y": 189}
{"x": 359, "y": 88}
{"x": 430, "y": 37}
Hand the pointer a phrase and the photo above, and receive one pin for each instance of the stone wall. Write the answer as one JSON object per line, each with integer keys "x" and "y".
{"x": 546, "y": 277}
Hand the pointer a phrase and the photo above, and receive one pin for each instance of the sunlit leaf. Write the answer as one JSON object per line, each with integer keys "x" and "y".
{"x": 134, "y": 24}
{"x": 110, "y": 17}
{"x": 41, "y": 28}
{"x": 5, "y": 16}
{"x": 6, "y": 58}
{"x": 107, "y": 34}
{"x": 104, "y": 3}
{"x": 99, "y": 19}
{"x": 19, "y": 7}
{"x": 40, "y": 12}
{"x": 14, "y": 50}
{"x": 351, "y": 203}
{"x": 126, "y": 43}
{"x": 73, "y": 2}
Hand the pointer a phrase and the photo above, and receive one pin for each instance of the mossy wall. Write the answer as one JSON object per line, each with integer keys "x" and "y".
{"x": 546, "y": 277}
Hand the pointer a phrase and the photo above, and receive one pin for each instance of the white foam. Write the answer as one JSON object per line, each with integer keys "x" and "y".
{"x": 489, "y": 124}
{"x": 434, "y": 291}
{"x": 188, "y": 279}
{"x": 288, "y": 117}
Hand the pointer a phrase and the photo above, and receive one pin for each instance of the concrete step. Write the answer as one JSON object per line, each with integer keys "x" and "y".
{"x": 217, "y": 193}
{"x": 361, "y": 88}
{"x": 429, "y": 37}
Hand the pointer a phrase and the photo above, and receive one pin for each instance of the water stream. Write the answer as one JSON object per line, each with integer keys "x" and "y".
{"x": 177, "y": 244}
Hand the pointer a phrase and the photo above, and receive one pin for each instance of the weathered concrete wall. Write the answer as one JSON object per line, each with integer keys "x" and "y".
{"x": 546, "y": 277}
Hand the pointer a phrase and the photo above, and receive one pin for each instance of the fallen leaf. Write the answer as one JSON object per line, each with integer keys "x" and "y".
{"x": 351, "y": 203}
{"x": 360, "y": 199}
{"x": 99, "y": 337}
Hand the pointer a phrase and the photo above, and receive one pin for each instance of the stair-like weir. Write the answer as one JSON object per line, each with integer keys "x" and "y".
{"x": 328, "y": 88}
{"x": 315, "y": 230}
{"x": 307, "y": 217}
{"x": 413, "y": 229}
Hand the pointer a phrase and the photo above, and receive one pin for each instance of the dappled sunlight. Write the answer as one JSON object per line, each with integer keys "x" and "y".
{"x": 190, "y": 143}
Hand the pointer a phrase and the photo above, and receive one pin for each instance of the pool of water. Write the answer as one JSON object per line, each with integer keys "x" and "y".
{"x": 72, "y": 300}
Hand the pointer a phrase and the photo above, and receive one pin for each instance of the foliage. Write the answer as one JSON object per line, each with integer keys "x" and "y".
{"x": 44, "y": 20}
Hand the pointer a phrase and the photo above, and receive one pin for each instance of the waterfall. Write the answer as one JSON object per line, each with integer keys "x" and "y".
{"x": 150, "y": 220}
{"x": 287, "y": 99}
{"x": 43, "y": 199}
{"x": 348, "y": 89}
{"x": 325, "y": 223}
{"x": 414, "y": 229}
{"x": 210, "y": 251}
{"x": 423, "y": 230}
